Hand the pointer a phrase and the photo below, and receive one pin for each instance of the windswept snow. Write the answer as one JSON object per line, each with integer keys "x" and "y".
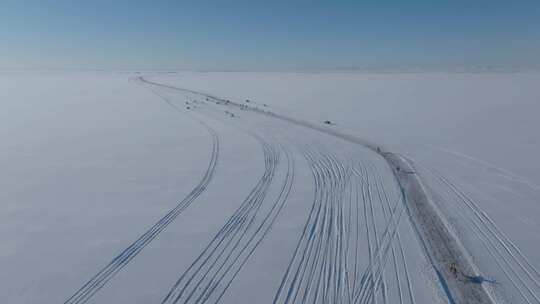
{"x": 230, "y": 188}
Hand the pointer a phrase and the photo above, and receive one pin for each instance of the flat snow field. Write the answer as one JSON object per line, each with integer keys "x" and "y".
{"x": 188, "y": 187}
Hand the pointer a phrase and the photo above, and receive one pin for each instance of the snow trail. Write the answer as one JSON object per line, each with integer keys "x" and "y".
{"x": 90, "y": 288}
{"x": 439, "y": 244}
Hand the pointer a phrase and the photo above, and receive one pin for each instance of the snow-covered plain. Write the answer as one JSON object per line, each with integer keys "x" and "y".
{"x": 153, "y": 194}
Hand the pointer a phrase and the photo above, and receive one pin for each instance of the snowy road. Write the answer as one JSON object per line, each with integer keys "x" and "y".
{"x": 271, "y": 209}
{"x": 319, "y": 270}
{"x": 347, "y": 249}
{"x": 441, "y": 247}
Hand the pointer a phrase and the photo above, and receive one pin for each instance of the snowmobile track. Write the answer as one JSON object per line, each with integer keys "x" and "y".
{"x": 213, "y": 271}
{"x": 98, "y": 281}
{"x": 439, "y": 244}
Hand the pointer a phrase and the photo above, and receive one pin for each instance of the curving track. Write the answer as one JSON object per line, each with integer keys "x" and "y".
{"x": 439, "y": 243}
{"x": 90, "y": 288}
{"x": 212, "y": 272}
{"x": 350, "y": 248}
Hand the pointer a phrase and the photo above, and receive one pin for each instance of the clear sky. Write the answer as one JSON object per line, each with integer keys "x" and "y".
{"x": 267, "y": 35}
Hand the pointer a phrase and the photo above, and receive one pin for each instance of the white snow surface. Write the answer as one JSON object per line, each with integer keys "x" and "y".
{"x": 92, "y": 160}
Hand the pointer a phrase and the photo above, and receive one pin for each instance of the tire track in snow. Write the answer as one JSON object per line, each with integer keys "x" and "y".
{"x": 441, "y": 246}
{"x": 98, "y": 281}
{"x": 379, "y": 190}
{"x": 373, "y": 274}
{"x": 438, "y": 243}
{"x": 325, "y": 263}
{"x": 509, "y": 271}
{"x": 369, "y": 183}
{"x": 334, "y": 270}
{"x": 213, "y": 271}
{"x": 386, "y": 203}
{"x": 522, "y": 275}
{"x": 320, "y": 270}
{"x": 367, "y": 171}
{"x": 366, "y": 198}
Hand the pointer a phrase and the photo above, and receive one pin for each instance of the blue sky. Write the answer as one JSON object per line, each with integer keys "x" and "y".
{"x": 267, "y": 35}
